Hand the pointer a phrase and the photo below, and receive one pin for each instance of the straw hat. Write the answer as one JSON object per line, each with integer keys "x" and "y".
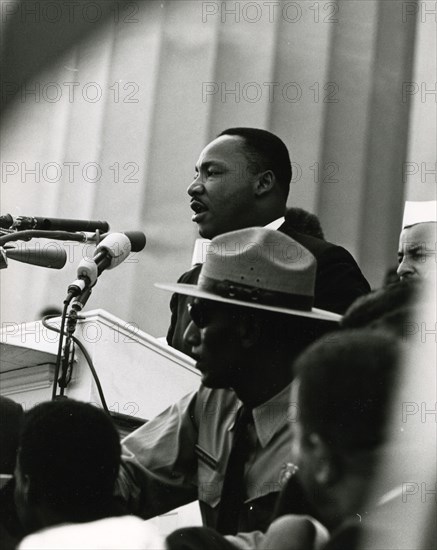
{"x": 258, "y": 268}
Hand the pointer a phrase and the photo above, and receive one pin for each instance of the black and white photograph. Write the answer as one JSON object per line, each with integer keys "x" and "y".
{"x": 218, "y": 275}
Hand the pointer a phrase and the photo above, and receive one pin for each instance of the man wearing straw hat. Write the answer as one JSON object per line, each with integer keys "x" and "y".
{"x": 227, "y": 445}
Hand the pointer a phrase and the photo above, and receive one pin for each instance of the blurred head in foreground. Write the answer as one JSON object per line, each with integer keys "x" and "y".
{"x": 11, "y": 415}
{"x": 67, "y": 464}
{"x": 343, "y": 393}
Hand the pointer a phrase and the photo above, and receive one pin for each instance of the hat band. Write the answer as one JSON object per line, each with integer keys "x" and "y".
{"x": 246, "y": 293}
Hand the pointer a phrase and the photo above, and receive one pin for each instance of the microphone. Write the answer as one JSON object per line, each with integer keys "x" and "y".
{"x": 52, "y": 224}
{"x": 110, "y": 253}
{"x": 137, "y": 239}
{"x": 54, "y": 258}
{"x": 6, "y": 221}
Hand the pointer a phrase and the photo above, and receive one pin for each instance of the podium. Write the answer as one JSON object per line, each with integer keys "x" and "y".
{"x": 140, "y": 375}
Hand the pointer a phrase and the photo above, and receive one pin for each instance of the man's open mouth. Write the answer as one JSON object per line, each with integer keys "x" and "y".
{"x": 198, "y": 207}
{"x": 199, "y": 210}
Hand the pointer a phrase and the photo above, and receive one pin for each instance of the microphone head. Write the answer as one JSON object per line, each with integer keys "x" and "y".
{"x": 117, "y": 246}
{"x": 53, "y": 258}
{"x": 87, "y": 268}
{"x": 6, "y": 221}
{"x": 137, "y": 240}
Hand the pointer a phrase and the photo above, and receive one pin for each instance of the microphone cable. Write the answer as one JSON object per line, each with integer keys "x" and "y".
{"x": 82, "y": 349}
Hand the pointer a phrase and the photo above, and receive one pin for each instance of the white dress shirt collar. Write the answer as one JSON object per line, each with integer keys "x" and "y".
{"x": 275, "y": 224}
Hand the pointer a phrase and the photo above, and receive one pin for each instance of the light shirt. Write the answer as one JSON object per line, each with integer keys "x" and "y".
{"x": 115, "y": 533}
{"x": 181, "y": 455}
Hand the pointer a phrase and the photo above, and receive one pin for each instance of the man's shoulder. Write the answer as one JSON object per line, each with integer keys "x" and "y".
{"x": 339, "y": 279}
{"x": 346, "y": 537}
{"x": 316, "y": 246}
{"x": 113, "y": 532}
{"x": 325, "y": 252}
{"x": 222, "y": 398}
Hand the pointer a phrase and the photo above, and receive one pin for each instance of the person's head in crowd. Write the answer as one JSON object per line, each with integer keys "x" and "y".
{"x": 252, "y": 312}
{"x": 242, "y": 179}
{"x": 11, "y": 417}
{"x": 343, "y": 395}
{"x": 389, "y": 308}
{"x": 304, "y": 222}
{"x": 67, "y": 465}
{"x": 417, "y": 252}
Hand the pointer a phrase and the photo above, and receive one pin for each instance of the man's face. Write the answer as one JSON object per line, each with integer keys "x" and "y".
{"x": 214, "y": 337}
{"x": 222, "y": 193}
{"x": 417, "y": 252}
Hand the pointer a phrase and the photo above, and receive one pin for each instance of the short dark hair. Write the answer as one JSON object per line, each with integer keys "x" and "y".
{"x": 11, "y": 417}
{"x": 71, "y": 452}
{"x": 265, "y": 149}
{"x": 304, "y": 222}
{"x": 390, "y": 308}
{"x": 346, "y": 384}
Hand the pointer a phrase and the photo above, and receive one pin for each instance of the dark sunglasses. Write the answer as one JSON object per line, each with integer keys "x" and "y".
{"x": 199, "y": 311}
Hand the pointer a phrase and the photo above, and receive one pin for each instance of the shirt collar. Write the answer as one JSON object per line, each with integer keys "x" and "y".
{"x": 199, "y": 245}
{"x": 275, "y": 224}
{"x": 271, "y": 416}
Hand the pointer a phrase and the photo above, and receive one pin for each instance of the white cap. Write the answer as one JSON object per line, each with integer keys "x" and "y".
{"x": 419, "y": 212}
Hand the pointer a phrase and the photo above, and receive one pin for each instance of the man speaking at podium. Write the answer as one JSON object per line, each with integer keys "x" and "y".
{"x": 243, "y": 180}
{"x": 228, "y": 444}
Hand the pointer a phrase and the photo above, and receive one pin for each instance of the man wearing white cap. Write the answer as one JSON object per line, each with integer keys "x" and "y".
{"x": 227, "y": 445}
{"x": 417, "y": 253}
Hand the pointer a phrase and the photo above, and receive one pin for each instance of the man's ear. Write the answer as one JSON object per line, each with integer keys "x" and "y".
{"x": 325, "y": 467}
{"x": 265, "y": 183}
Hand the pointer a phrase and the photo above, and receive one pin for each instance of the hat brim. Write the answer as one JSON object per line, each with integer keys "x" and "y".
{"x": 194, "y": 290}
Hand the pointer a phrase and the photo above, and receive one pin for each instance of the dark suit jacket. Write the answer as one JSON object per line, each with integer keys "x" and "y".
{"x": 339, "y": 282}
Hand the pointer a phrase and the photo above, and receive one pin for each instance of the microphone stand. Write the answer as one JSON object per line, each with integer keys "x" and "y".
{"x": 68, "y": 354}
